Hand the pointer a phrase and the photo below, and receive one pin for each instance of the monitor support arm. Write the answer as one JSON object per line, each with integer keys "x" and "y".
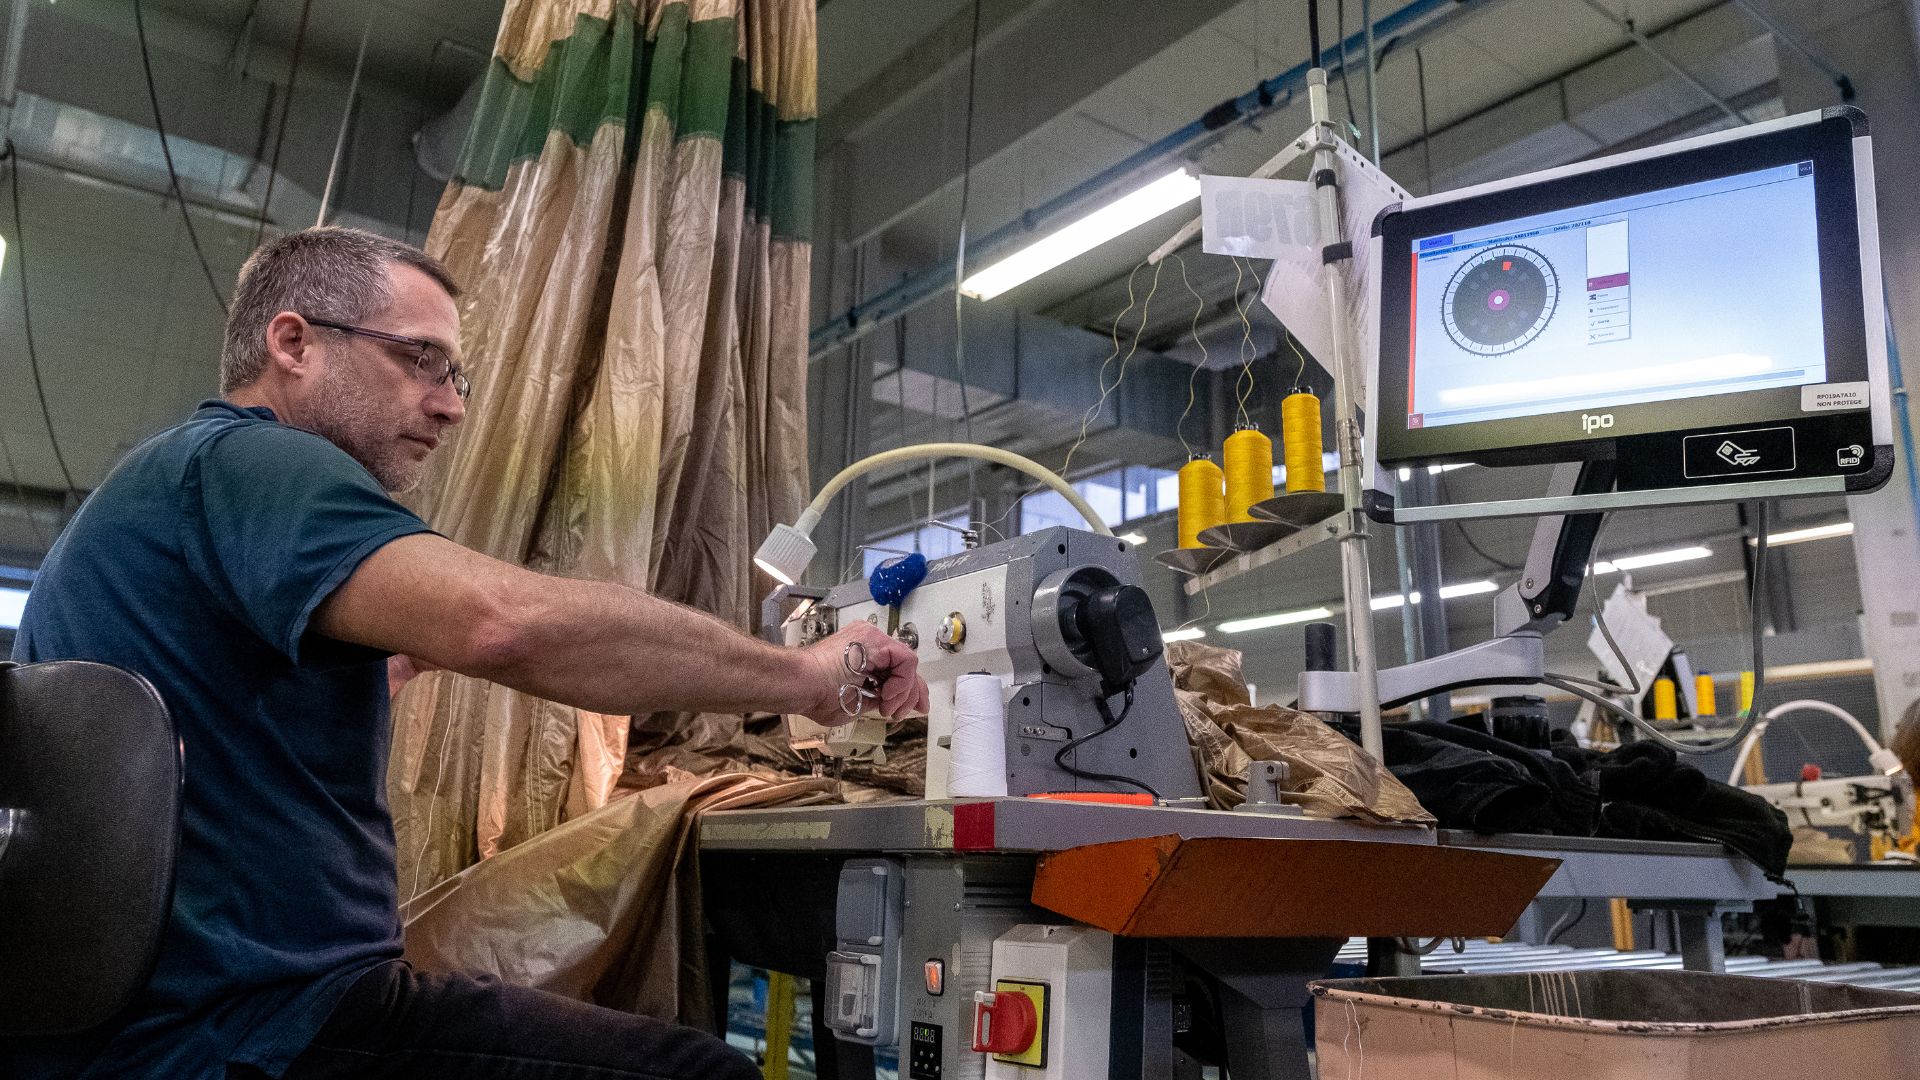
{"x": 1543, "y": 598}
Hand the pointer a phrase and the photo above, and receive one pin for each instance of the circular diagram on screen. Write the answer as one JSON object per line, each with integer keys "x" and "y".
{"x": 1500, "y": 300}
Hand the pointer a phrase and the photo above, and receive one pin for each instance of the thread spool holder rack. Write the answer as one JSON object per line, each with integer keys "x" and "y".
{"x": 1291, "y": 523}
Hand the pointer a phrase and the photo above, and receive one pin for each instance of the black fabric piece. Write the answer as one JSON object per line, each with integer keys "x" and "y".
{"x": 1573, "y": 805}
{"x": 1463, "y": 787}
{"x": 1642, "y": 791}
{"x": 1649, "y": 794}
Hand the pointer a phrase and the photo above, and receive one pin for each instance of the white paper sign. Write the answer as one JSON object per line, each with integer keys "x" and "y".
{"x": 1296, "y": 291}
{"x": 1260, "y": 219}
{"x": 1640, "y": 635}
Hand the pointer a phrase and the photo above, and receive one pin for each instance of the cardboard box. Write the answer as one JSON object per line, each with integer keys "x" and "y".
{"x": 1613, "y": 1025}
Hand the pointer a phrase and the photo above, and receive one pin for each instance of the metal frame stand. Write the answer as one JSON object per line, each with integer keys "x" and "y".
{"x": 1356, "y": 573}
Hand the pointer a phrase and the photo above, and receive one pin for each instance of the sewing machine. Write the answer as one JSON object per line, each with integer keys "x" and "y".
{"x": 1059, "y": 618}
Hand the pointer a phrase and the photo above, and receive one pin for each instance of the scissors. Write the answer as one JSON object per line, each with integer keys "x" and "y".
{"x": 855, "y": 696}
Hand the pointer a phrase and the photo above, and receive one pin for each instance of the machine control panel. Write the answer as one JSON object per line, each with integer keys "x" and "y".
{"x": 923, "y": 1051}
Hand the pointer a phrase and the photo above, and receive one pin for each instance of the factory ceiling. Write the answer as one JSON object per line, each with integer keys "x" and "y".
{"x": 126, "y": 330}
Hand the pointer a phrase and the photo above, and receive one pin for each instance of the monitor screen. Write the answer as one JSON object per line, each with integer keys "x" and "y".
{"x": 1674, "y": 294}
{"x": 1648, "y": 297}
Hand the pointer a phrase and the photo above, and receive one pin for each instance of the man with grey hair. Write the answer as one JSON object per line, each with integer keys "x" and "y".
{"x": 250, "y": 563}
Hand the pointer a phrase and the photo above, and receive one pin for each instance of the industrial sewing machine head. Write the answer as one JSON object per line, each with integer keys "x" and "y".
{"x": 1059, "y": 619}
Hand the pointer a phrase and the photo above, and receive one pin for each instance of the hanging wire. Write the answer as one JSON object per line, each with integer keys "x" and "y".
{"x": 26, "y": 321}
{"x": 960, "y": 255}
{"x": 1086, "y": 419}
{"x": 286, "y": 110}
{"x": 900, "y": 385}
{"x": 1193, "y": 328}
{"x": 1249, "y": 352}
{"x": 1106, "y": 391}
{"x": 1756, "y": 631}
{"x": 1346, "y": 84}
{"x": 1426, "y": 131}
{"x": 1300, "y": 372}
{"x": 166, "y": 151}
{"x": 413, "y": 174}
{"x": 1243, "y": 382}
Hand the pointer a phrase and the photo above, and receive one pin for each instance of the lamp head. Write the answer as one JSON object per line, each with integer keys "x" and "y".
{"x": 785, "y": 553}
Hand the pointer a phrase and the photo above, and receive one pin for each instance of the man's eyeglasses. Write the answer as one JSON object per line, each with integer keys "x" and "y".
{"x": 430, "y": 361}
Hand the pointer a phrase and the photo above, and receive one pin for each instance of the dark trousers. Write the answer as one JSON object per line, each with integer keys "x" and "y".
{"x": 398, "y": 1022}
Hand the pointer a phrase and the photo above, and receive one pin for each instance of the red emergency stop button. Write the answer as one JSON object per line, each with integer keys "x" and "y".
{"x": 1004, "y": 1023}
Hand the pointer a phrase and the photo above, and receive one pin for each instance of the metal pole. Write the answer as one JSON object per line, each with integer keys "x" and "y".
{"x": 346, "y": 121}
{"x": 1355, "y": 573}
{"x": 10, "y": 68}
{"x": 1640, "y": 39}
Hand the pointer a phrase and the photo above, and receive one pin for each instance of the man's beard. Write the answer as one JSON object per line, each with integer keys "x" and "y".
{"x": 342, "y": 413}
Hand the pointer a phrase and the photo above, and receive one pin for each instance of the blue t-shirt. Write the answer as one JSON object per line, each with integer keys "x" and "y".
{"x": 198, "y": 563}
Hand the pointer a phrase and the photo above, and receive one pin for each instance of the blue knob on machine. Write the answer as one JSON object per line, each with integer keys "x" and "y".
{"x": 894, "y": 579}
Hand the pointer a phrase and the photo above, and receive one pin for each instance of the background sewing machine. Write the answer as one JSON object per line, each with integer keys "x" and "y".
{"x": 1058, "y": 616}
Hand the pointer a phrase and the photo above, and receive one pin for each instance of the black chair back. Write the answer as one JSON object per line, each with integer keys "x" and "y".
{"x": 90, "y": 785}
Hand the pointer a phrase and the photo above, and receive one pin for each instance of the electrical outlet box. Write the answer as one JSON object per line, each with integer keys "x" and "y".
{"x": 1067, "y": 971}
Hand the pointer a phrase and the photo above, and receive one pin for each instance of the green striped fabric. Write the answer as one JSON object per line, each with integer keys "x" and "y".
{"x": 605, "y": 73}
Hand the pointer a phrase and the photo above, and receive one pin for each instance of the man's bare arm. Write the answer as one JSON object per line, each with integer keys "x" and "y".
{"x": 597, "y": 646}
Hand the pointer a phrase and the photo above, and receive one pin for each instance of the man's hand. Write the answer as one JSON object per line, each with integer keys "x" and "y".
{"x": 901, "y": 691}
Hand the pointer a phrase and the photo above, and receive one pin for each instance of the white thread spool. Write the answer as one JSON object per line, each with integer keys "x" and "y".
{"x": 979, "y": 766}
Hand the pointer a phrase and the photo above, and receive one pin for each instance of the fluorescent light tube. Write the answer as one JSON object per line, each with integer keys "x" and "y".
{"x": 1801, "y": 536}
{"x": 1652, "y": 558}
{"x": 1191, "y": 633}
{"x": 13, "y": 603}
{"x": 1136, "y": 208}
{"x": 1447, "y": 592}
{"x": 1284, "y": 618}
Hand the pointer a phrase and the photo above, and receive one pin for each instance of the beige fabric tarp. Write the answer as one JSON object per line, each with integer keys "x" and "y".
{"x": 628, "y": 221}
{"x": 1327, "y": 775}
{"x": 605, "y": 908}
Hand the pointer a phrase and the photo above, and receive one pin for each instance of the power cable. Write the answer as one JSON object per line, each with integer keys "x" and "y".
{"x": 26, "y": 320}
{"x": 1502, "y": 564}
{"x": 166, "y": 151}
{"x": 960, "y": 255}
{"x": 1756, "y": 630}
{"x": 1461, "y": 528}
{"x": 1567, "y": 922}
{"x": 286, "y": 110}
{"x": 1346, "y": 84}
{"x": 1111, "y": 722}
{"x": 413, "y": 174}
{"x": 1426, "y": 132}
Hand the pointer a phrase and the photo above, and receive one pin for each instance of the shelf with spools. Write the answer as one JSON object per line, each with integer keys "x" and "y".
{"x": 1235, "y": 511}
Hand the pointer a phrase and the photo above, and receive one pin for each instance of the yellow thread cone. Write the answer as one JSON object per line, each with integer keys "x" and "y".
{"x": 1249, "y": 472}
{"x": 1300, "y": 439}
{"x": 1203, "y": 499}
{"x": 1746, "y": 692}
{"x": 1703, "y": 696}
{"x": 1666, "y": 700}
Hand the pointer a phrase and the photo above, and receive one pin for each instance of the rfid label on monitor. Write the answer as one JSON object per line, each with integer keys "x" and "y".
{"x": 1830, "y": 397}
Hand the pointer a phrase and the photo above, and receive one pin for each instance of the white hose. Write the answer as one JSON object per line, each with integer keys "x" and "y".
{"x": 1875, "y": 752}
{"x": 811, "y": 516}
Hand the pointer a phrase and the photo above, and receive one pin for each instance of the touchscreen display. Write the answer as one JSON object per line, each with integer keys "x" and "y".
{"x": 1708, "y": 288}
